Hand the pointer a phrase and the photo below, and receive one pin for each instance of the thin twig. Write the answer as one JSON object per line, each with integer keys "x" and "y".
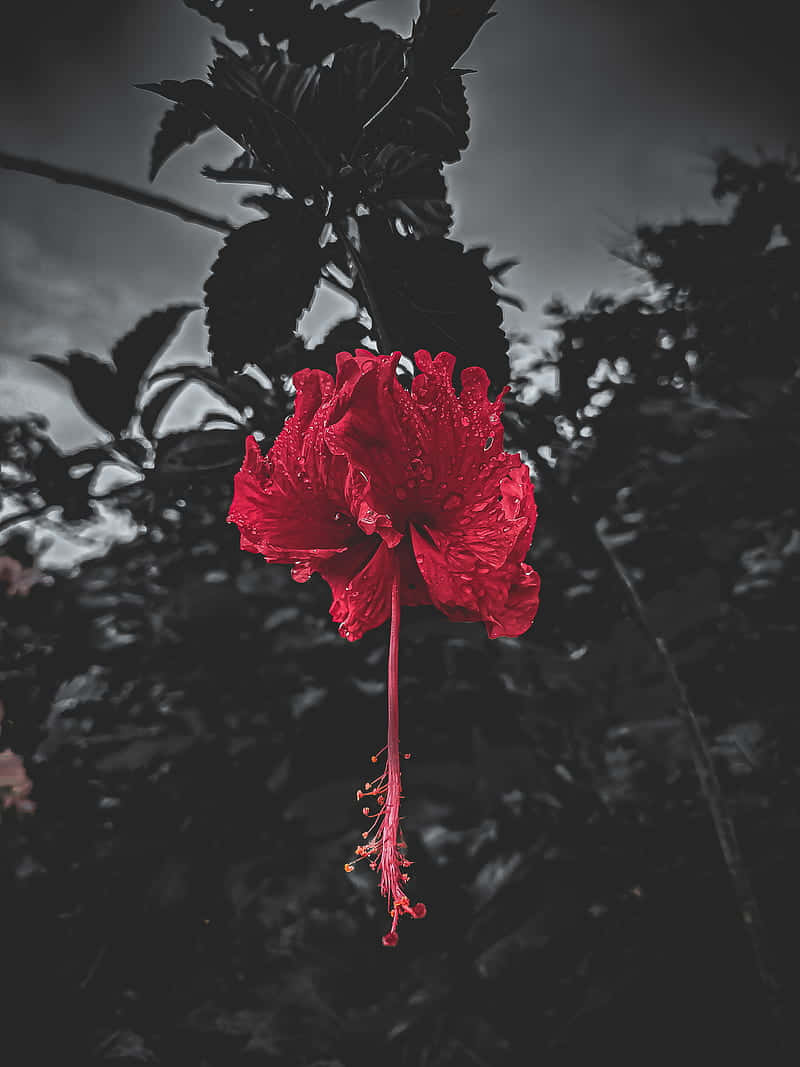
{"x": 66, "y": 176}
{"x": 379, "y": 329}
{"x": 98, "y": 959}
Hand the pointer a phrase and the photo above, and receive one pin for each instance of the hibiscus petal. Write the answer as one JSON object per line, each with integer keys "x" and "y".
{"x": 364, "y": 425}
{"x": 361, "y": 584}
{"x": 511, "y": 606}
{"x": 283, "y": 517}
{"x": 505, "y": 598}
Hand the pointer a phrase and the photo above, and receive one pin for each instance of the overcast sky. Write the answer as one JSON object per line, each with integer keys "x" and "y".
{"x": 587, "y": 116}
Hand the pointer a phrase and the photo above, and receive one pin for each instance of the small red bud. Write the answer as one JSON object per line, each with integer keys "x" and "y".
{"x": 419, "y": 911}
{"x": 390, "y": 939}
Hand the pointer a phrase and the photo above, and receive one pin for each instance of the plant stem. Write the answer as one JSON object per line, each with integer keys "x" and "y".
{"x": 378, "y": 326}
{"x": 66, "y": 176}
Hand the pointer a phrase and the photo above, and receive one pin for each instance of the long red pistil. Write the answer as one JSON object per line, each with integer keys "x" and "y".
{"x": 386, "y": 847}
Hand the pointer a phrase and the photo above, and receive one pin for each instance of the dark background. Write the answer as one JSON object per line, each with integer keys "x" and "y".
{"x": 193, "y": 726}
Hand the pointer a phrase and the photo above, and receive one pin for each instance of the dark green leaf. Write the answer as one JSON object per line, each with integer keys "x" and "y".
{"x": 157, "y": 405}
{"x": 133, "y": 449}
{"x": 244, "y": 169}
{"x": 246, "y": 20}
{"x": 363, "y": 77}
{"x": 278, "y": 102}
{"x": 179, "y": 127}
{"x": 142, "y": 346}
{"x": 96, "y": 388}
{"x": 343, "y": 337}
{"x": 433, "y": 294}
{"x": 409, "y": 185}
{"x": 212, "y": 417}
{"x": 359, "y": 82}
{"x": 263, "y": 279}
{"x": 266, "y": 202}
{"x": 434, "y": 118}
{"x": 200, "y": 451}
{"x": 444, "y": 31}
{"x": 51, "y": 468}
{"x": 240, "y": 392}
{"x": 326, "y": 30}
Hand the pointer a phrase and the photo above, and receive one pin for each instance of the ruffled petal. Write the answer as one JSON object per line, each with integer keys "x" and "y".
{"x": 278, "y": 517}
{"x": 424, "y": 471}
{"x": 371, "y": 423}
{"x": 290, "y": 506}
{"x": 361, "y": 584}
{"x": 504, "y": 598}
{"x": 511, "y": 601}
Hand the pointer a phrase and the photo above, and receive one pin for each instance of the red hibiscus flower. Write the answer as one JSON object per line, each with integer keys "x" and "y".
{"x": 395, "y": 498}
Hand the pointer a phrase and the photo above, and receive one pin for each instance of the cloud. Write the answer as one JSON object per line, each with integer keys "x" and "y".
{"x": 50, "y": 305}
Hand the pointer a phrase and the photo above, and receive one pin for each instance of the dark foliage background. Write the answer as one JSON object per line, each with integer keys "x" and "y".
{"x": 195, "y": 728}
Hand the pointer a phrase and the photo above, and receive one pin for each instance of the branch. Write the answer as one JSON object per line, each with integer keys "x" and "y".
{"x": 346, "y": 6}
{"x": 64, "y": 176}
{"x": 34, "y": 513}
{"x": 701, "y": 755}
{"x": 22, "y": 516}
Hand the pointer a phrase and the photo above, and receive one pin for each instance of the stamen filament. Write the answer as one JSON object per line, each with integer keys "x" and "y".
{"x": 386, "y": 847}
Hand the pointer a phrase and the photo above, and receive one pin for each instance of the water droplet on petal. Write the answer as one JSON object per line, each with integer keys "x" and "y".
{"x": 465, "y": 421}
{"x": 301, "y": 571}
{"x": 450, "y": 503}
{"x": 489, "y": 443}
{"x": 400, "y": 493}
